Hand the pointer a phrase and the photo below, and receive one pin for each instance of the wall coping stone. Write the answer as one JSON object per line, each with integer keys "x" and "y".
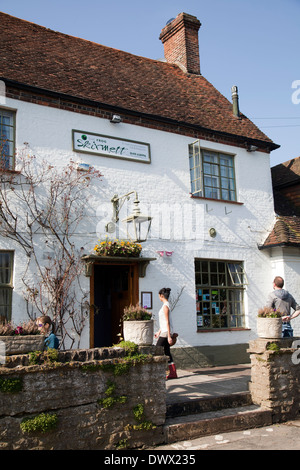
{"x": 65, "y": 358}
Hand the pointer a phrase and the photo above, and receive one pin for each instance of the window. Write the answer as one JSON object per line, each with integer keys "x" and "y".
{"x": 212, "y": 174}
{"x": 219, "y": 294}
{"x": 6, "y": 276}
{"x": 7, "y": 138}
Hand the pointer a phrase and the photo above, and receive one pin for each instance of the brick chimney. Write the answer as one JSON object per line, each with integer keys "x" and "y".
{"x": 180, "y": 40}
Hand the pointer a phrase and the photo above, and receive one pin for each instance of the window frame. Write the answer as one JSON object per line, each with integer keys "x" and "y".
{"x": 197, "y": 164}
{"x": 8, "y": 285}
{"x": 219, "y": 298}
{"x": 11, "y": 165}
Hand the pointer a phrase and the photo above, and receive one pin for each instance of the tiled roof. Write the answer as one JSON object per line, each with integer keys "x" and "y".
{"x": 286, "y": 173}
{"x": 286, "y": 232}
{"x": 36, "y": 56}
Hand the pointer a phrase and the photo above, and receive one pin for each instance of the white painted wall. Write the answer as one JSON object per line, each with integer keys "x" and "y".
{"x": 181, "y": 224}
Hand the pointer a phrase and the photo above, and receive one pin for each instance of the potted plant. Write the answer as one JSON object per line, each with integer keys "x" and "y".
{"x": 123, "y": 248}
{"x": 21, "y": 339}
{"x": 269, "y": 323}
{"x": 138, "y": 325}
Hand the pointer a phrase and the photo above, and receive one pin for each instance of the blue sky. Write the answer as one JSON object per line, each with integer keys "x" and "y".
{"x": 254, "y": 44}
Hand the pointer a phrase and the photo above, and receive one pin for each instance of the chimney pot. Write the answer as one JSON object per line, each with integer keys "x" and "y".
{"x": 181, "y": 44}
{"x": 235, "y": 101}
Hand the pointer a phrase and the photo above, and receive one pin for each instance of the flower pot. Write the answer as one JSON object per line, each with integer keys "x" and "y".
{"x": 22, "y": 344}
{"x": 269, "y": 327}
{"x": 139, "y": 332}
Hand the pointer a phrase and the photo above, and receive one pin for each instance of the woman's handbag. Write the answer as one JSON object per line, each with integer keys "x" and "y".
{"x": 174, "y": 338}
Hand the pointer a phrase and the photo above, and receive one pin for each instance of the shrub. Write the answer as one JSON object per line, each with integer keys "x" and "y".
{"x": 136, "y": 312}
{"x": 268, "y": 312}
{"x": 26, "y": 328}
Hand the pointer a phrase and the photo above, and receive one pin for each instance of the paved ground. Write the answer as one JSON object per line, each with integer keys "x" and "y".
{"x": 217, "y": 381}
{"x": 208, "y": 382}
{"x": 285, "y": 436}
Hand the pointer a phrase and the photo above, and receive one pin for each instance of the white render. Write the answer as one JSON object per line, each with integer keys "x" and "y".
{"x": 181, "y": 224}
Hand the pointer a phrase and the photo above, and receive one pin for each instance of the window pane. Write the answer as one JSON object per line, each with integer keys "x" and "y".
{"x": 6, "y": 138}
{"x": 218, "y": 170}
{"x": 5, "y": 303}
{"x": 225, "y": 195}
{"x": 219, "y": 303}
{"x": 5, "y": 268}
{"x": 6, "y": 263}
{"x": 195, "y": 168}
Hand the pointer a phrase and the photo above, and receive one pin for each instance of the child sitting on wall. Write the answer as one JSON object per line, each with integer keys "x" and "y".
{"x": 45, "y": 326}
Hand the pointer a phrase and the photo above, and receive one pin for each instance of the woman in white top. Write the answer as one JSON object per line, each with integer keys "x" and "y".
{"x": 164, "y": 334}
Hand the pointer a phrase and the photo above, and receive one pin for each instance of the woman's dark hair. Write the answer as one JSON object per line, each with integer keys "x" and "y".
{"x": 165, "y": 291}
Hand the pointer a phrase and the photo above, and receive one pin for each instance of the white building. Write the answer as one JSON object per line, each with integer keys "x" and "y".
{"x": 200, "y": 167}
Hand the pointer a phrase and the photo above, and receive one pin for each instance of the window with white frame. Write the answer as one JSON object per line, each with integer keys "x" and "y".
{"x": 6, "y": 284}
{"x": 7, "y": 138}
{"x": 219, "y": 294}
{"x": 212, "y": 174}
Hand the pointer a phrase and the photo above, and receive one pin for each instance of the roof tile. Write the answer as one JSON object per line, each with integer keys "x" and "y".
{"x": 286, "y": 231}
{"x": 36, "y": 56}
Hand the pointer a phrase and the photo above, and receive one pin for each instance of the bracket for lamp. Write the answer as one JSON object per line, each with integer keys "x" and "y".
{"x": 118, "y": 202}
{"x": 136, "y": 218}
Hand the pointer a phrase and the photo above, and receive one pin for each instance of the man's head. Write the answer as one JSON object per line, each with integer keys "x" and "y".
{"x": 278, "y": 282}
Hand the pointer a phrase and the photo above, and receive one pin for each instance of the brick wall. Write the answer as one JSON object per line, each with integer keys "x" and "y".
{"x": 180, "y": 39}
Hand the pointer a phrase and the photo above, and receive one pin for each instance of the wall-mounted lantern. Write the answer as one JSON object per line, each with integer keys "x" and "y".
{"x": 138, "y": 224}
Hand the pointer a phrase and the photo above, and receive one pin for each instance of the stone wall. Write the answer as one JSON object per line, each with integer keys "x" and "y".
{"x": 97, "y": 399}
{"x": 275, "y": 376}
{"x": 210, "y": 356}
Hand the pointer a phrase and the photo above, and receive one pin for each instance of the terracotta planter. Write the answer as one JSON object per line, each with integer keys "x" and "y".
{"x": 139, "y": 332}
{"x": 269, "y": 327}
{"x": 22, "y": 344}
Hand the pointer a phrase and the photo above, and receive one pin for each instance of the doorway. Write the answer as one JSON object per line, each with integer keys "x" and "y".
{"x": 114, "y": 287}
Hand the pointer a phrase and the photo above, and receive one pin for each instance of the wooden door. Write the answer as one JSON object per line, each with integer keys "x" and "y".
{"x": 113, "y": 287}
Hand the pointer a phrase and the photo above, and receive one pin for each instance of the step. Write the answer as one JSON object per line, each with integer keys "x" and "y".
{"x": 183, "y": 428}
{"x": 201, "y": 405}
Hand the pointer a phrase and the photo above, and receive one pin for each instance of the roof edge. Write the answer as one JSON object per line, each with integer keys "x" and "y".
{"x": 267, "y": 145}
{"x": 282, "y": 244}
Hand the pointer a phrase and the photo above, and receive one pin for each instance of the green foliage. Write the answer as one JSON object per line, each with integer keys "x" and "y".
{"x": 41, "y": 423}
{"x": 111, "y": 398}
{"x": 51, "y": 355}
{"x": 273, "y": 347}
{"x": 43, "y": 357}
{"x": 122, "y": 444}
{"x": 119, "y": 366}
{"x": 10, "y": 385}
{"x": 138, "y": 412}
{"x": 139, "y": 416}
{"x": 131, "y": 349}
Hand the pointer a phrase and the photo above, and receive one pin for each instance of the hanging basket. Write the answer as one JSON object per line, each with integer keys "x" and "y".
{"x": 270, "y": 328}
